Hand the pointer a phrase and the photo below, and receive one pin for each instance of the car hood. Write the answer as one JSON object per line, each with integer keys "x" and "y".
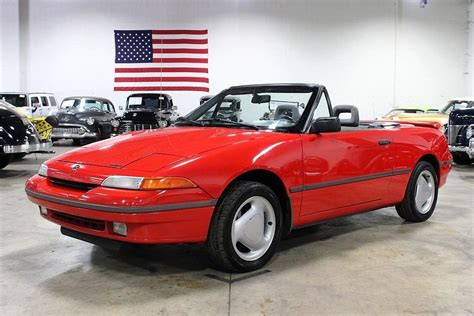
{"x": 160, "y": 146}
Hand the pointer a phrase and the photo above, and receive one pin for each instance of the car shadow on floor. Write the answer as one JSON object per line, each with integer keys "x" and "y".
{"x": 141, "y": 273}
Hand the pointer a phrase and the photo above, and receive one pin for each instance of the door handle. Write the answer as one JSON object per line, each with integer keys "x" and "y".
{"x": 384, "y": 142}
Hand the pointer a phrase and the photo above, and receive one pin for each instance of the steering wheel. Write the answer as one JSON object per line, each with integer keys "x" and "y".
{"x": 286, "y": 117}
{"x": 95, "y": 108}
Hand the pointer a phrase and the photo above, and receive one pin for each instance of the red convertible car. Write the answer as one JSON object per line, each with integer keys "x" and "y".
{"x": 286, "y": 160}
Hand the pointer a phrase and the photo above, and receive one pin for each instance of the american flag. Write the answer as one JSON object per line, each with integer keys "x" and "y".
{"x": 161, "y": 60}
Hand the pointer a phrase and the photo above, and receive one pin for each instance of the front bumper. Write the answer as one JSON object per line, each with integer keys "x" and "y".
{"x": 170, "y": 222}
{"x": 72, "y": 132}
{"x": 27, "y": 148}
{"x": 469, "y": 150}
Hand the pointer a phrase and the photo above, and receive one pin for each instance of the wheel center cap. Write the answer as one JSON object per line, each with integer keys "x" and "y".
{"x": 254, "y": 228}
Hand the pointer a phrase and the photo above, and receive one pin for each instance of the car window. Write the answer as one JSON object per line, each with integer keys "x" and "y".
{"x": 44, "y": 101}
{"x": 111, "y": 107}
{"x": 18, "y": 100}
{"x": 52, "y": 101}
{"x": 35, "y": 100}
{"x": 322, "y": 110}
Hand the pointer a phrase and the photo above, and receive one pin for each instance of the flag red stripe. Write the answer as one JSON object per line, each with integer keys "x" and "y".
{"x": 158, "y": 88}
{"x": 171, "y": 41}
{"x": 158, "y": 69}
{"x": 180, "y": 60}
{"x": 180, "y": 50}
{"x": 175, "y": 32}
{"x": 161, "y": 79}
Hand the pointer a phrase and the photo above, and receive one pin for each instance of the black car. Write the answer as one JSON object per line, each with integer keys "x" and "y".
{"x": 17, "y": 135}
{"x": 84, "y": 118}
{"x": 146, "y": 111}
{"x": 460, "y": 135}
{"x": 229, "y": 109}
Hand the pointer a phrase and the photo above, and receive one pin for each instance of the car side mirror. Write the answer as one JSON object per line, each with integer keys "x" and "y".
{"x": 35, "y": 106}
{"x": 174, "y": 107}
{"x": 121, "y": 108}
{"x": 326, "y": 125}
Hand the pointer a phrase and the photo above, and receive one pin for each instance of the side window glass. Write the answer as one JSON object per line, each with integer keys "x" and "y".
{"x": 323, "y": 108}
{"x": 52, "y": 101}
{"x": 35, "y": 101}
{"x": 44, "y": 101}
{"x": 111, "y": 108}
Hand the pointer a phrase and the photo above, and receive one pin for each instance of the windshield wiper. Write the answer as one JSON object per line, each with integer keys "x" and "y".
{"x": 185, "y": 121}
{"x": 229, "y": 122}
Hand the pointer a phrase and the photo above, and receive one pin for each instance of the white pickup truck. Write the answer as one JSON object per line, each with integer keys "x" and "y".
{"x": 36, "y": 104}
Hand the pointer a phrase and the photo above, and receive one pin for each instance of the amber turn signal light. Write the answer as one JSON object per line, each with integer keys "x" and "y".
{"x": 166, "y": 183}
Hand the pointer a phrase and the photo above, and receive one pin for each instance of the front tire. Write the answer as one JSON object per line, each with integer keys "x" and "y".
{"x": 462, "y": 159}
{"x": 421, "y": 194}
{"x": 246, "y": 228}
{"x": 5, "y": 159}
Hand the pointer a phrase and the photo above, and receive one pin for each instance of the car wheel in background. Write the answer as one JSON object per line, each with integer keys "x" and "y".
{"x": 5, "y": 159}
{"x": 421, "y": 194}
{"x": 18, "y": 156}
{"x": 462, "y": 159}
{"x": 246, "y": 228}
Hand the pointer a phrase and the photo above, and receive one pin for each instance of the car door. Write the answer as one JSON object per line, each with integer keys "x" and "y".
{"x": 35, "y": 106}
{"x": 342, "y": 169}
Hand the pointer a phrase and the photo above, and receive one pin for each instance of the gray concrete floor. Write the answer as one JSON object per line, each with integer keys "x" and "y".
{"x": 372, "y": 263}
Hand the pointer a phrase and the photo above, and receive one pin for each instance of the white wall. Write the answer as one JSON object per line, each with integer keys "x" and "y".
{"x": 371, "y": 53}
{"x": 9, "y": 45}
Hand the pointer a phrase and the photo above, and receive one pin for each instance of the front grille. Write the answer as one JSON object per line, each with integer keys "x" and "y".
{"x": 79, "y": 221}
{"x": 455, "y": 134}
{"x": 73, "y": 184}
{"x": 128, "y": 126}
{"x": 67, "y": 130}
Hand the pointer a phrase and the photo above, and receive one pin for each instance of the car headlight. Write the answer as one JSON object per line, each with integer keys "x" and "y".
{"x": 43, "y": 170}
{"x": 141, "y": 183}
{"x": 162, "y": 123}
{"x": 115, "y": 123}
{"x": 90, "y": 121}
{"x": 469, "y": 131}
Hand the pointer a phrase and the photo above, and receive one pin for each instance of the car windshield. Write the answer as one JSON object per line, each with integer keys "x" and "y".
{"x": 148, "y": 102}
{"x": 82, "y": 105}
{"x": 456, "y": 105}
{"x": 266, "y": 108}
{"x": 18, "y": 100}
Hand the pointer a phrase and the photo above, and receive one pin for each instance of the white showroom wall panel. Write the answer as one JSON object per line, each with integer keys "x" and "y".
{"x": 371, "y": 53}
{"x": 9, "y": 45}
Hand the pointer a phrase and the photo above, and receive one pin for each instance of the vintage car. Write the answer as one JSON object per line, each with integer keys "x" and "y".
{"x": 18, "y": 136}
{"x": 429, "y": 114}
{"x": 84, "y": 118}
{"x": 230, "y": 108}
{"x": 240, "y": 186}
{"x": 460, "y": 135}
{"x": 146, "y": 111}
{"x": 35, "y": 104}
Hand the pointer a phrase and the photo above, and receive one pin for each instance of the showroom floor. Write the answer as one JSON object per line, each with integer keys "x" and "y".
{"x": 371, "y": 263}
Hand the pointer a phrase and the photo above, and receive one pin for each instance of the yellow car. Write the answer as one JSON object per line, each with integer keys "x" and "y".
{"x": 426, "y": 114}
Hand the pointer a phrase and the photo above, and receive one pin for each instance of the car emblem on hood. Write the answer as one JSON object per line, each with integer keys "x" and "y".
{"x": 76, "y": 166}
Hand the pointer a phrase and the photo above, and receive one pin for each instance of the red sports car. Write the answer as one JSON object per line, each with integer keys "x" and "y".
{"x": 238, "y": 182}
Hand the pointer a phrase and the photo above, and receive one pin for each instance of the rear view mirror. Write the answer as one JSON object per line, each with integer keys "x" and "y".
{"x": 258, "y": 99}
{"x": 326, "y": 125}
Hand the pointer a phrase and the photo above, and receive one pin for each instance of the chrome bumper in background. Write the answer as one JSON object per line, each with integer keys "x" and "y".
{"x": 72, "y": 131}
{"x": 27, "y": 148}
{"x": 469, "y": 150}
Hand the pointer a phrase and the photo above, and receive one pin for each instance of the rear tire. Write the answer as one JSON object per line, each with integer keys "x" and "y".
{"x": 421, "y": 194}
{"x": 246, "y": 227}
{"x": 5, "y": 159}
